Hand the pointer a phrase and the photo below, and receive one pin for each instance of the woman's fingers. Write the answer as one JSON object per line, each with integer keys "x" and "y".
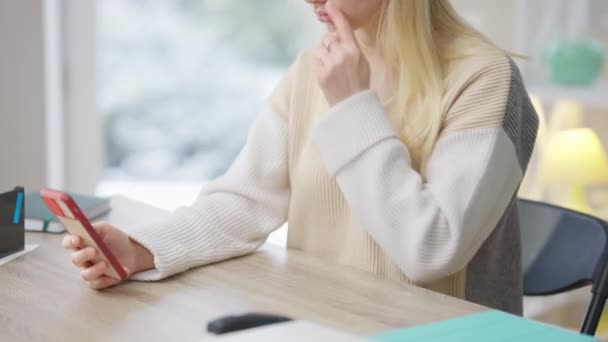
{"x": 342, "y": 24}
{"x": 322, "y": 53}
{"x": 322, "y": 59}
{"x": 67, "y": 241}
{"x": 71, "y": 242}
{"x": 102, "y": 227}
{"x": 81, "y": 257}
{"x": 84, "y": 257}
{"x": 102, "y": 283}
{"x": 329, "y": 45}
{"x": 94, "y": 272}
{"x": 330, "y": 40}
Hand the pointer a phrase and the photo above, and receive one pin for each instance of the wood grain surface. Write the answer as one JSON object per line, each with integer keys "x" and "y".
{"x": 43, "y": 299}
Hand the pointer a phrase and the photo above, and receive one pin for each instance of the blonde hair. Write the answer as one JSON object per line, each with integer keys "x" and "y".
{"x": 417, "y": 38}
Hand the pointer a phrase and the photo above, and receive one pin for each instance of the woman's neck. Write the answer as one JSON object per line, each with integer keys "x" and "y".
{"x": 367, "y": 36}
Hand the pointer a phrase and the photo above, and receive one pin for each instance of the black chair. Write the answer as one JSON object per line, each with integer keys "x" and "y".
{"x": 564, "y": 250}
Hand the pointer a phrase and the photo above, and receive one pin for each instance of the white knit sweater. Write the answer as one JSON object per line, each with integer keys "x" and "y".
{"x": 345, "y": 182}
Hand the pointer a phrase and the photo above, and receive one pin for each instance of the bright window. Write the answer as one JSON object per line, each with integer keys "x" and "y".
{"x": 180, "y": 81}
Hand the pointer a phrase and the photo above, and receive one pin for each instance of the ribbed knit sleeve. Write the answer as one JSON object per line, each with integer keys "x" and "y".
{"x": 430, "y": 225}
{"x": 234, "y": 214}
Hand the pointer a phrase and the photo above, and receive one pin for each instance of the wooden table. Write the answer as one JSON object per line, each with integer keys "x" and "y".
{"x": 43, "y": 299}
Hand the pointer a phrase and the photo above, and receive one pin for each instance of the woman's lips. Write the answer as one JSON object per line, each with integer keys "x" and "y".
{"x": 323, "y": 17}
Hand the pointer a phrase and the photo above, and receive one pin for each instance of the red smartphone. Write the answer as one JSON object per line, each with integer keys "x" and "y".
{"x": 76, "y": 223}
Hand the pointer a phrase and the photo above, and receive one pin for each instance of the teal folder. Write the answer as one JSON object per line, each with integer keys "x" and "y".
{"x": 489, "y": 326}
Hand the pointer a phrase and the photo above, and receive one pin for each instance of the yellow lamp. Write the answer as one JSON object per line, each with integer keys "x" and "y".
{"x": 566, "y": 114}
{"x": 577, "y": 159}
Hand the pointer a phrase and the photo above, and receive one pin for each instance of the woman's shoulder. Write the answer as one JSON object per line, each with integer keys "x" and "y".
{"x": 462, "y": 71}
{"x": 487, "y": 73}
{"x": 478, "y": 90}
{"x": 299, "y": 72}
{"x": 297, "y": 85}
{"x": 302, "y": 63}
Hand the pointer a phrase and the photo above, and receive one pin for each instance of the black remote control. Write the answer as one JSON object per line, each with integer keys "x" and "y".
{"x": 234, "y": 323}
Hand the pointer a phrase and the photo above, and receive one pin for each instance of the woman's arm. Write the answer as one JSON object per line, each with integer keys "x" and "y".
{"x": 431, "y": 225}
{"x": 234, "y": 214}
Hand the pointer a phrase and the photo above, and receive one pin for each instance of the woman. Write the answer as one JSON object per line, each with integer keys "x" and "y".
{"x": 396, "y": 146}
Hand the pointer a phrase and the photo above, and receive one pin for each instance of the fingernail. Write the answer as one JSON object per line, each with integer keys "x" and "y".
{"x": 74, "y": 241}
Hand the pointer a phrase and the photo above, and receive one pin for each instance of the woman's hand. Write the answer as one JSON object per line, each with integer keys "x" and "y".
{"x": 341, "y": 68}
{"x": 131, "y": 255}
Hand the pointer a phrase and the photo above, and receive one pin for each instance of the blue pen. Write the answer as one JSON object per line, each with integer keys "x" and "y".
{"x": 18, "y": 206}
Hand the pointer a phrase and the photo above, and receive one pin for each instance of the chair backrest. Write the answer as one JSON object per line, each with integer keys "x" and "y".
{"x": 561, "y": 249}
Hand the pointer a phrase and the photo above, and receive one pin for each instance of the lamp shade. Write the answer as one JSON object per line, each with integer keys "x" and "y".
{"x": 566, "y": 114}
{"x": 574, "y": 156}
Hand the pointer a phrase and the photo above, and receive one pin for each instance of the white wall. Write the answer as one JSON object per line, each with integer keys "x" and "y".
{"x": 494, "y": 18}
{"x": 50, "y": 133}
{"x": 22, "y": 95}
{"x": 502, "y": 21}
{"x": 83, "y": 149}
